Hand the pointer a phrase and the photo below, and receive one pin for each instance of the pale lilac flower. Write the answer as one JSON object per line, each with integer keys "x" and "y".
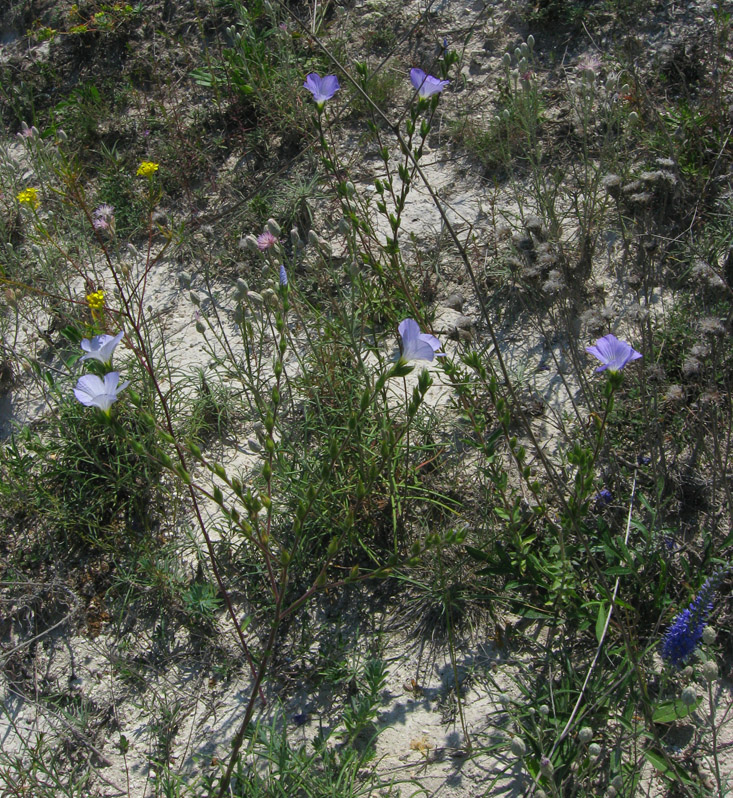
{"x": 612, "y": 353}
{"x": 100, "y": 347}
{"x": 426, "y": 85}
{"x": 283, "y": 276}
{"x": 92, "y": 391}
{"x": 103, "y": 217}
{"x": 265, "y": 241}
{"x": 322, "y": 88}
{"x": 417, "y": 345}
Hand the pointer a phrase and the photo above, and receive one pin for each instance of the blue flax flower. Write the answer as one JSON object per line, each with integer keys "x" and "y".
{"x": 613, "y": 353}
{"x": 426, "y": 85}
{"x": 417, "y": 345}
{"x": 685, "y": 633}
{"x": 322, "y": 88}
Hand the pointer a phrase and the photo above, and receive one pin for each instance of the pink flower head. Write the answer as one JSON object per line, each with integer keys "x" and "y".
{"x": 322, "y": 88}
{"x": 426, "y": 85}
{"x": 103, "y": 217}
{"x": 266, "y": 241}
{"x": 612, "y": 353}
{"x": 417, "y": 345}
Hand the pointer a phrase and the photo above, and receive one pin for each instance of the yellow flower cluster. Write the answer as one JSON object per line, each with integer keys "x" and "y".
{"x": 96, "y": 300}
{"x": 29, "y": 196}
{"x": 147, "y": 168}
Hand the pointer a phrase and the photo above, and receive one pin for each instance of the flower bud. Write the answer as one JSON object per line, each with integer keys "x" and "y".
{"x": 594, "y": 750}
{"x": 350, "y": 189}
{"x": 710, "y": 670}
{"x": 530, "y": 42}
{"x": 61, "y": 135}
{"x": 254, "y": 297}
{"x": 344, "y": 227}
{"x": 688, "y": 696}
{"x": 585, "y": 735}
{"x": 708, "y": 635}
{"x": 274, "y": 228}
{"x": 250, "y": 243}
{"x": 546, "y": 767}
{"x": 517, "y": 747}
{"x": 295, "y": 237}
{"x": 184, "y": 279}
{"x": 240, "y": 289}
{"x": 506, "y": 62}
{"x": 200, "y": 328}
{"x": 195, "y": 298}
{"x": 313, "y": 238}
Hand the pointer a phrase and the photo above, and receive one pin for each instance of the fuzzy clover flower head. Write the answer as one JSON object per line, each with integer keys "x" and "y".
{"x": 686, "y": 631}
{"x": 29, "y": 196}
{"x": 417, "y": 345}
{"x": 93, "y": 391}
{"x": 322, "y": 88}
{"x": 147, "y": 169}
{"x": 426, "y": 85}
{"x": 266, "y": 241}
{"x": 100, "y": 347}
{"x": 613, "y": 353}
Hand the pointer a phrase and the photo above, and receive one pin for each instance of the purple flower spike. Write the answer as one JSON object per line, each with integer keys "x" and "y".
{"x": 322, "y": 88}
{"x": 92, "y": 391}
{"x": 283, "y": 276}
{"x": 426, "y": 85}
{"x": 417, "y": 345}
{"x": 612, "y": 353}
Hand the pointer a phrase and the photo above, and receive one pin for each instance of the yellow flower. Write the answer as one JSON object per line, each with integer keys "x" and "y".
{"x": 29, "y": 196}
{"x": 96, "y": 300}
{"x": 147, "y": 168}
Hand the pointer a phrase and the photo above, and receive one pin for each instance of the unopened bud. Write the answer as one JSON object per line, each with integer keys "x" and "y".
{"x": 710, "y": 671}
{"x": 506, "y": 61}
{"x": 274, "y": 228}
{"x": 295, "y": 237}
{"x": 240, "y": 289}
{"x": 313, "y": 239}
{"x": 195, "y": 298}
{"x": 517, "y": 747}
{"x": 594, "y": 750}
{"x": 585, "y": 735}
{"x": 708, "y": 635}
{"x": 688, "y": 696}
{"x": 530, "y": 41}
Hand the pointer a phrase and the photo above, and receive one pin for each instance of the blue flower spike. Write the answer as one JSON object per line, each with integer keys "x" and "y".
{"x": 685, "y": 633}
